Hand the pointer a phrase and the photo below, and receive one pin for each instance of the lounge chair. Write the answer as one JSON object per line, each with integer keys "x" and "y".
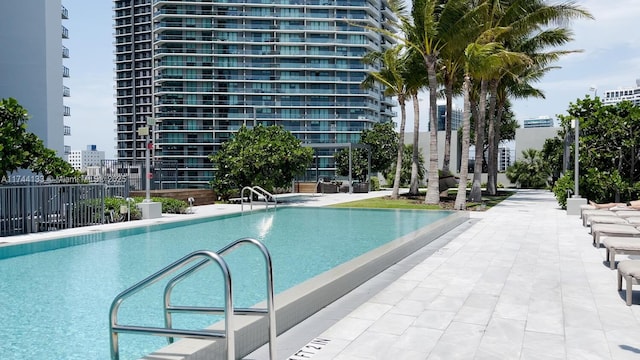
{"x": 587, "y": 214}
{"x": 607, "y": 220}
{"x": 630, "y": 271}
{"x": 620, "y": 245}
{"x": 598, "y": 230}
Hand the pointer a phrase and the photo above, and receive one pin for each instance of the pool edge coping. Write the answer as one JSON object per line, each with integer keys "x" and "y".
{"x": 296, "y": 304}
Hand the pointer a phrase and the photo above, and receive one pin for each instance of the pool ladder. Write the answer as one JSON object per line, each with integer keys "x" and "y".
{"x": 258, "y": 191}
{"x": 206, "y": 258}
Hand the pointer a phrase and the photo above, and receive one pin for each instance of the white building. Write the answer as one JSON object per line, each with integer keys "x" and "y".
{"x": 615, "y": 96}
{"x": 539, "y": 122}
{"x": 31, "y": 63}
{"x": 82, "y": 159}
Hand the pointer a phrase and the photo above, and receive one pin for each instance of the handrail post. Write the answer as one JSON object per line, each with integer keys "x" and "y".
{"x": 148, "y": 281}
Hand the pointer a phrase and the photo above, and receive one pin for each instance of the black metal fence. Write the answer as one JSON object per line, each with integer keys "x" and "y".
{"x": 164, "y": 174}
{"x": 33, "y": 208}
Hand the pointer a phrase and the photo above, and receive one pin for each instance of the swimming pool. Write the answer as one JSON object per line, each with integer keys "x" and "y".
{"x": 54, "y": 304}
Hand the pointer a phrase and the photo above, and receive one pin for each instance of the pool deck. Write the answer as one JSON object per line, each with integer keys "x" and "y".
{"x": 519, "y": 281}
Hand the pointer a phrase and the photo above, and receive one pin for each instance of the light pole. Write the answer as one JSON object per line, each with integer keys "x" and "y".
{"x": 147, "y": 162}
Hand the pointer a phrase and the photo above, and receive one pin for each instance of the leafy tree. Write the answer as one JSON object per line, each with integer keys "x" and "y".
{"x": 269, "y": 157}
{"x": 531, "y": 172}
{"x": 383, "y": 143}
{"x": 20, "y": 149}
{"x": 407, "y": 167}
{"x": 609, "y": 142}
{"x": 552, "y": 154}
{"x": 393, "y": 76}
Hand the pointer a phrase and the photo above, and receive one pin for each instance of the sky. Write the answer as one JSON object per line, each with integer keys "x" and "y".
{"x": 610, "y": 59}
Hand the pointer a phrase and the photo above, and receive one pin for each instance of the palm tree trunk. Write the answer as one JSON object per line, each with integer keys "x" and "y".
{"x": 415, "y": 181}
{"x": 476, "y": 190}
{"x": 403, "y": 120}
{"x": 461, "y": 197}
{"x": 446, "y": 159}
{"x": 433, "y": 189}
{"x": 492, "y": 160}
{"x": 498, "y": 135}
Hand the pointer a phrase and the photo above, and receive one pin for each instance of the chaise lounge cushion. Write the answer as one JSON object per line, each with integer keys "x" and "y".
{"x": 630, "y": 267}
{"x": 607, "y": 220}
{"x": 630, "y": 270}
{"x": 598, "y": 230}
{"x": 620, "y": 245}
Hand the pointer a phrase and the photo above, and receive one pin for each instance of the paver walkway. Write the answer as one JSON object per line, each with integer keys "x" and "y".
{"x": 522, "y": 282}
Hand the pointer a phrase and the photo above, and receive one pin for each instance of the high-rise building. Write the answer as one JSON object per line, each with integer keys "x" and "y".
{"x": 632, "y": 94}
{"x": 31, "y": 36}
{"x": 542, "y": 121}
{"x": 504, "y": 158}
{"x": 456, "y": 117}
{"x": 81, "y": 159}
{"x": 204, "y": 69}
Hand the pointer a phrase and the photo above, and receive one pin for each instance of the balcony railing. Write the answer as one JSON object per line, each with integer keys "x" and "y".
{"x": 65, "y": 52}
{"x": 65, "y": 13}
{"x": 67, "y": 130}
{"x": 66, "y": 92}
{"x": 65, "y": 71}
{"x": 65, "y": 33}
{"x": 67, "y": 111}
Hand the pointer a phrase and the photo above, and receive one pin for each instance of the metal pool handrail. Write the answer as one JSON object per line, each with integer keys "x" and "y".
{"x": 269, "y": 311}
{"x": 257, "y": 190}
{"x": 228, "y": 333}
{"x": 228, "y": 310}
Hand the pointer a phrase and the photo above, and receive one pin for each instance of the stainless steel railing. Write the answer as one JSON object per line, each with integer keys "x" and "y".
{"x": 259, "y": 192}
{"x": 206, "y": 258}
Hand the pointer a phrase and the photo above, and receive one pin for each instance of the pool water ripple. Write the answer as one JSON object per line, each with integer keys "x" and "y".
{"x": 54, "y": 304}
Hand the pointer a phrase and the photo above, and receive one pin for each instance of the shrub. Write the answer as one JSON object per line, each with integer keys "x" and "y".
{"x": 375, "y": 184}
{"x": 169, "y": 205}
{"x": 114, "y": 204}
{"x": 562, "y": 187}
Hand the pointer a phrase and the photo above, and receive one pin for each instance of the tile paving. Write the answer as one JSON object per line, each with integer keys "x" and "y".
{"x": 519, "y": 281}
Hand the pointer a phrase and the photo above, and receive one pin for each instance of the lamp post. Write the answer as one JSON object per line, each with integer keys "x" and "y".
{"x": 147, "y": 162}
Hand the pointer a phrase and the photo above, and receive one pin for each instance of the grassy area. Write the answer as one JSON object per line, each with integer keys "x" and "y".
{"x": 417, "y": 202}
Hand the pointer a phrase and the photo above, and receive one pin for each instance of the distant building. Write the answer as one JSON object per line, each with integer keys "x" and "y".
{"x": 533, "y": 138}
{"x": 456, "y": 117}
{"x": 82, "y": 159}
{"x": 32, "y": 66}
{"x": 505, "y": 158}
{"x": 539, "y": 122}
{"x": 632, "y": 94}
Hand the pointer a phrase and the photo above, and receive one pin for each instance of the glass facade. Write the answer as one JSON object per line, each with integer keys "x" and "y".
{"x": 214, "y": 66}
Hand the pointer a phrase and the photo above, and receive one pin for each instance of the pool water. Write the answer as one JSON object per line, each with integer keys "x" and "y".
{"x": 54, "y": 304}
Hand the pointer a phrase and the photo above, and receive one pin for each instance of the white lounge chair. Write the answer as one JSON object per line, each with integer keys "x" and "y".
{"x": 630, "y": 271}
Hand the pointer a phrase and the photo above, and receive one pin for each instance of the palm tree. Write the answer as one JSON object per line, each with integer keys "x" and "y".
{"x": 432, "y": 20}
{"x": 392, "y": 77}
{"x": 528, "y": 22}
{"x": 416, "y": 78}
{"x": 461, "y": 197}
